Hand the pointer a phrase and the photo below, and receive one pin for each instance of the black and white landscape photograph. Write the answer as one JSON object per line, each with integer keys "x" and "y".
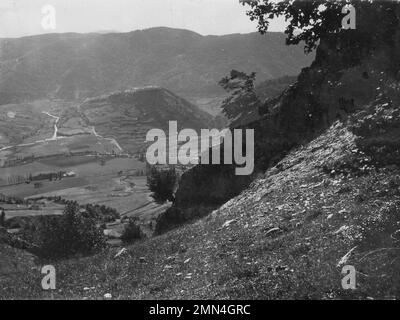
{"x": 219, "y": 150}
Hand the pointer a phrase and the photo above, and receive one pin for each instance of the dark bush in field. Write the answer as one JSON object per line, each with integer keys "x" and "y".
{"x": 101, "y": 213}
{"x": 65, "y": 236}
{"x": 162, "y": 183}
{"x": 2, "y": 217}
{"x": 132, "y": 232}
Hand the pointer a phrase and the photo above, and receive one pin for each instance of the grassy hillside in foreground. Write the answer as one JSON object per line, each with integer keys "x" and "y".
{"x": 286, "y": 236}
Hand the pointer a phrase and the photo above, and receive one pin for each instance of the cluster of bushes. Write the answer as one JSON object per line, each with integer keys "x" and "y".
{"x": 100, "y": 213}
{"x": 47, "y": 176}
{"x": 132, "y": 232}
{"x": 76, "y": 232}
{"x": 162, "y": 182}
{"x": 70, "y": 234}
{"x": 12, "y": 200}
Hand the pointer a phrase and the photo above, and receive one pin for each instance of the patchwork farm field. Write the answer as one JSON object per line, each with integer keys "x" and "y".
{"x": 27, "y": 190}
{"x": 84, "y": 166}
{"x": 62, "y": 146}
{"x": 115, "y": 182}
{"x": 129, "y": 196}
{"x": 87, "y": 169}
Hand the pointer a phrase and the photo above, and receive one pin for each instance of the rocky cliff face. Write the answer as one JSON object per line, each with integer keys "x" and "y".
{"x": 351, "y": 71}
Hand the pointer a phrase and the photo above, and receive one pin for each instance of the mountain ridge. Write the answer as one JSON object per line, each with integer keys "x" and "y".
{"x": 75, "y": 66}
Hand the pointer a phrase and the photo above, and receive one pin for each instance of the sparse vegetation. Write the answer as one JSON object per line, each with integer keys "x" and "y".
{"x": 242, "y": 92}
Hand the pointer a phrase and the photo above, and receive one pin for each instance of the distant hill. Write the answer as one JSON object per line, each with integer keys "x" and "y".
{"x": 127, "y": 116}
{"x": 77, "y": 66}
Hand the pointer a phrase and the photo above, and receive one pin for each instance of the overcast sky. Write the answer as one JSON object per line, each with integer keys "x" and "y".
{"x": 24, "y": 17}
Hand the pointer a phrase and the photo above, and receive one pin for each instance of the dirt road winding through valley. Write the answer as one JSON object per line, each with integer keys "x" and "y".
{"x": 53, "y": 138}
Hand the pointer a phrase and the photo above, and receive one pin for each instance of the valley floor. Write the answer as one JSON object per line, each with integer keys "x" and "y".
{"x": 286, "y": 237}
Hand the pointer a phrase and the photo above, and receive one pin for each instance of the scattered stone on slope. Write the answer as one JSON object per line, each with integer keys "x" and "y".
{"x": 121, "y": 252}
{"x": 228, "y": 223}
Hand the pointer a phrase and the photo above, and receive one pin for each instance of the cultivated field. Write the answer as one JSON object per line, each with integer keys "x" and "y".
{"x": 111, "y": 181}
